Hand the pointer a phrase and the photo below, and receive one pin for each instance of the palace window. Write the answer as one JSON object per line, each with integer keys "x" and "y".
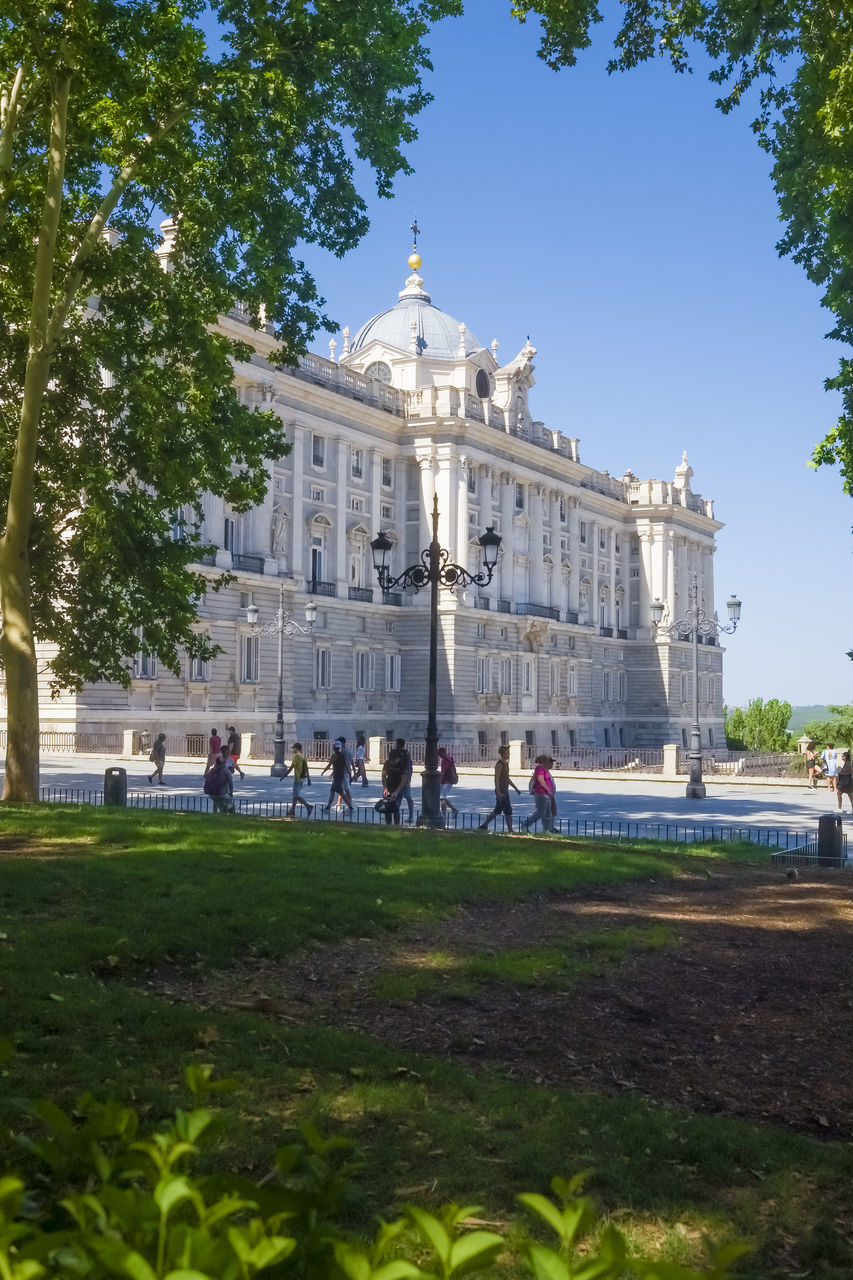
{"x": 322, "y": 667}
{"x": 392, "y": 672}
{"x": 365, "y": 670}
{"x": 357, "y": 464}
{"x": 387, "y": 472}
{"x": 519, "y": 497}
{"x": 250, "y": 653}
{"x": 318, "y": 451}
{"x": 582, "y": 530}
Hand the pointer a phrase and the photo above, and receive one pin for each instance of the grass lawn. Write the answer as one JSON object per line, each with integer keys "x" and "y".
{"x": 96, "y": 903}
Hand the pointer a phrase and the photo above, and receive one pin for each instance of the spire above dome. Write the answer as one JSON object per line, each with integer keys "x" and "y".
{"x": 414, "y": 325}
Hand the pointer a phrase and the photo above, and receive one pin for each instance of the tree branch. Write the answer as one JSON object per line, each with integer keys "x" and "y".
{"x": 10, "y": 108}
{"x": 76, "y": 268}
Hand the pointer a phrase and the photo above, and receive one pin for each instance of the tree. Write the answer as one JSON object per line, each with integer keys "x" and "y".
{"x": 838, "y": 730}
{"x": 765, "y": 725}
{"x": 116, "y": 405}
{"x": 798, "y": 54}
{"x": 734, "y": 729}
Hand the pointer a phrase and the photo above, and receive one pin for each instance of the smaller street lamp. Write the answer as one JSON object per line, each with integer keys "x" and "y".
{"x": 282, "y": 625}
{"x": 694, "y": 624}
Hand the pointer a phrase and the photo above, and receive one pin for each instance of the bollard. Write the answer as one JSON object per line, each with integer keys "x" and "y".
{"x": 115, "y": 787}
{"x": 830, "y": 850}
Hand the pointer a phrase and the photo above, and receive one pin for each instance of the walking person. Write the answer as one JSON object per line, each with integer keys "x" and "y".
{"x": 393, "y": 781}
{"x": 348, "y": 762}
{"x": 830, "y": 764}
{"x": 301, "y": 778}
{"x": 408, "y": 770}
{"x": 214, "y": 747}
{"x": 340, "y": 778}
{"x": 811, "y": 760}
{"x": 158, "y": 758}
{"x": 234, "y": 746}
{"x": 544, "y": 794}
{"x": 503, "y": 782}
{"x": 447, "y": 781}
{"x": 844, "y": 780}
{"x": 360, "y": 766}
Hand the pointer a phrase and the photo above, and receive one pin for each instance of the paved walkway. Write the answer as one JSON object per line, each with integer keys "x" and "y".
{"x": 613, "y": 797}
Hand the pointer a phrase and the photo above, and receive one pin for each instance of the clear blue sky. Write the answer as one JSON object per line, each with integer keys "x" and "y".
{"x": 629, "y": 228}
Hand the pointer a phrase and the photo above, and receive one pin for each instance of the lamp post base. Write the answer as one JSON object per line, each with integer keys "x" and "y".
{"x": 695, "y": 791}
{"x": 279, "y": 768}
{"x": 431, "y": 815}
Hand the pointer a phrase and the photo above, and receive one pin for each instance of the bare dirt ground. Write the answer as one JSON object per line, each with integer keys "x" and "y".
{"x": 748, "y": 1011}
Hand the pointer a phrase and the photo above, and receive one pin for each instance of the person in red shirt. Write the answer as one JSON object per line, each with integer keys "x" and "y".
{"x": 214, "y": 748}
{"x": 448, "y": 776}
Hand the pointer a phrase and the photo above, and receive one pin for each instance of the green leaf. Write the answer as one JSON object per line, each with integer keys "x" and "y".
{"x": 473, "y": 1251}
{"x": 544, "y": 1208}
{"x": 546, "y": 1264}
{"x": 431, "y": 1230}
{"x": 174, "y": 1190}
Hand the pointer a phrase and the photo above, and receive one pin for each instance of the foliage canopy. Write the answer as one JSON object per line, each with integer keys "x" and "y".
{"x": 116, "y": 406}
{"x": 797, "y": 56}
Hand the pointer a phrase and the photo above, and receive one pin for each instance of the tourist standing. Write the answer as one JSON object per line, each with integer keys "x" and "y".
{"x": 218, "y": 784}
{"x": 844, "y": 779}
{"x": 158, "y": 758}
{"x": 214, "y": 747}
{"x": 301, "y": 778}
{"x": 810, "y": 766}
{"x": 234, "y": 747}
{"x": 830, "y": 764}
{"x": 544, "y": 795}
{"x": 503, "y": 782}
{"x": 447, "y": 781}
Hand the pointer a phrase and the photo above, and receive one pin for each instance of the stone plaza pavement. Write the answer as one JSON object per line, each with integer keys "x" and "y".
{"x": 607, "y": 797}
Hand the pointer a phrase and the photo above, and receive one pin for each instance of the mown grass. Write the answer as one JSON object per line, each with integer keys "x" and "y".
{"x": 588, "y": 954}
{"x": 93, "y": 901}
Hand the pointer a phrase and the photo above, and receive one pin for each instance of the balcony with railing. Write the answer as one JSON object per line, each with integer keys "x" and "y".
{"x": 482, "y": 602}
{"x": 248, "y": 564}
{"x": 538, "y": 611}
{"x": 361, "y": 593}
{"x": 322, "y": 588}
{"x": 347, "y": 382}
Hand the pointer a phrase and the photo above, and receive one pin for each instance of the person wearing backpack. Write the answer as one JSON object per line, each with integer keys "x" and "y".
{"x": 301, "y": 778}
{"x": 219, "y": 786}
{"x": 448, "y": 779}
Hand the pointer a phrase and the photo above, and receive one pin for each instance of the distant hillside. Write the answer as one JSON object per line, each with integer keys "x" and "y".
{"x": 800, "y": 716}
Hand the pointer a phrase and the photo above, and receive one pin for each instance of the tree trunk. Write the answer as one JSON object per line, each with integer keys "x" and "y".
{"x": 17, "y": 642}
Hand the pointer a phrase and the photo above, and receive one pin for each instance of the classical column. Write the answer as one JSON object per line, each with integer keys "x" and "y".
{"x": 374, "y": 522}
{"x": 669, "y": 569}
{"x": 459, "y": 481}
{"x": 508, "y": 534}
{"x": 297, "y": 524}
{"x": 574, "y": 555}
{"x": 647, "y": 594}
{"x": 536, "y": 581}
{"x": 341, "y": 519}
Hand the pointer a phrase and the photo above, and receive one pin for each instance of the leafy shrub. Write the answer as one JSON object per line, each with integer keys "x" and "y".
{"x": 114, "y": 1204}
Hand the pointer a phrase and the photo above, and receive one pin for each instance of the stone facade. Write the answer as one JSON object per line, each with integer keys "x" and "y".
{"x": 557, "y": 651}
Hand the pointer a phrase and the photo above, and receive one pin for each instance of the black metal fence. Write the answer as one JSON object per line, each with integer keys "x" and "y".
{"x": 587, "y": 828}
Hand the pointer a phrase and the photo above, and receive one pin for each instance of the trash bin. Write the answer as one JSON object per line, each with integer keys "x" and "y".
{"x": 115, "y": 787}
{"x": 830, "y": 846}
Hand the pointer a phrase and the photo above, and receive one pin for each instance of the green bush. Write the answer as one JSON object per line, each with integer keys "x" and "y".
{"x": 96, "y": 1199}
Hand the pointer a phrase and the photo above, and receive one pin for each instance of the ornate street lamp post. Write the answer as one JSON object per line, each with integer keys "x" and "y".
{"x": 282, "y": 625}
{"x": 434, "y": 570}
{"x": 693, "y": 625}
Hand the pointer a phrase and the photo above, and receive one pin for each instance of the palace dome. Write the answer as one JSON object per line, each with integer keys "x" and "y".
{"x": 436, "y": 335}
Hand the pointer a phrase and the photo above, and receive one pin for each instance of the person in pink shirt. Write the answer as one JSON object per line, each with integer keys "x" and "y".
{"x": 544, "y": 795}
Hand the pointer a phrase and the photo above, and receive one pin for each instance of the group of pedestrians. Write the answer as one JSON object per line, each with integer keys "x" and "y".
{"x": 541, "y": 787}
{"x": 223, "y": 761}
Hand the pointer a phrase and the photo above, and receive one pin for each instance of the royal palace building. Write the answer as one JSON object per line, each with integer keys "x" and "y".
{"x": 558, "y": 650}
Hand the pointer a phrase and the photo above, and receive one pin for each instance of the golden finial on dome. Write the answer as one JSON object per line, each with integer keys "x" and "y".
{"x": 414, "y": 256}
